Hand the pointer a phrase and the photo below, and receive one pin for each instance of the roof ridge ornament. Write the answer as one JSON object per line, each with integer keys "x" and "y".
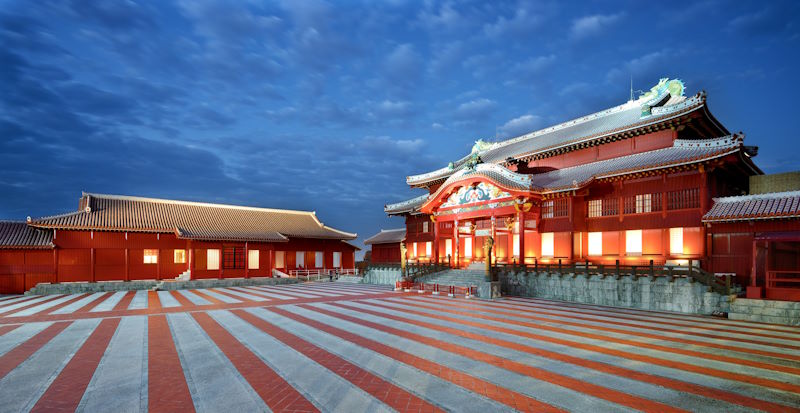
{"x": 658, "y": 94}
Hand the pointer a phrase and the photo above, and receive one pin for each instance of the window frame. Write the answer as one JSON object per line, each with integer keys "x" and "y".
{"x": 150, "y": 253}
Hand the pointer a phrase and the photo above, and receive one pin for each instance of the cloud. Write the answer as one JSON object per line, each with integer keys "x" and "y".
{"x": 770, "y": 20}
{"x": 394, "y": 109}
{"x": 532, "y": 67}
{"x": 520, "y": 125}
{"x": 475, "y": 109}
{"x": 646, "y": 68}
{"x": 591, "y": 25}
{"x": 403, "y": 65}
{"x": 523, "y": 21}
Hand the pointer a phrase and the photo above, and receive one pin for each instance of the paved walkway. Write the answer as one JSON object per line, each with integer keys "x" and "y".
{"x": 355, "y": 348}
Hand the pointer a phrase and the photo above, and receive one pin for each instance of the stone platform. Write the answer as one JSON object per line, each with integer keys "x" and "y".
{"x": 105, "y": 286}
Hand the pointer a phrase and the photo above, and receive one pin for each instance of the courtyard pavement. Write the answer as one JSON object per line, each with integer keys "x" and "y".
{"x": 355, "y": 348}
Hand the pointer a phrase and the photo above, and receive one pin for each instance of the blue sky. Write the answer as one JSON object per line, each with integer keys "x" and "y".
{"x": 328, "y": 106}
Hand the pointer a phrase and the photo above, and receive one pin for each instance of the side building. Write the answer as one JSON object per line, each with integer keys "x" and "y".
{"x": 123, "y": 238}
{"x": 628, "y": 184}
{"x": 385, "y": 246}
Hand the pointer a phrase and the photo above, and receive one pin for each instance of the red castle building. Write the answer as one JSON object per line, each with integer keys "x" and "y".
{"x": 123, "y": 238}
{"x": 658, "y": 178}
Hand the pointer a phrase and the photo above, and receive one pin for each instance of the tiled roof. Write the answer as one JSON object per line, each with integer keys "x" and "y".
{"x": 752, "y": 207}
{"x": 682, "y": 152}
{"x": 387, "y": 236}
{"x": 409, "y": 205}
{"x": 191, "y": 220}
{"x": 20, "y": 235}
{"x": 597, "y": 125}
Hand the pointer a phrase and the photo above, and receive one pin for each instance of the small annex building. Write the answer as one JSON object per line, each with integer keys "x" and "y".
{"x": 123, "y": 238}
{"x": 386, "y": 246}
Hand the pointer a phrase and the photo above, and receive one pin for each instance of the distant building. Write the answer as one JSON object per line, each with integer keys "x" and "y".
{"x": 386, "y": 245}
{"x": 121, "y": 238}
{"x": 657, "y": 178}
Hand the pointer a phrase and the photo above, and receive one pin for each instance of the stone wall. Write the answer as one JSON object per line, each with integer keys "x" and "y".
{"x": 765, "y": 311}
{"x": 384, "y": 276}
{"x": 659, "y": 293}
{"x": 76, "y": 288}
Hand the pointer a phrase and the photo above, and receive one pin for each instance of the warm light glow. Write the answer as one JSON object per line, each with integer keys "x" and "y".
{"x": 300, "y": 259}
{"x": 595, "y": 243}
{"x": 180, "y": 257}
{"x": 676, "y": 240}
{"x": 516, "y": 245}
{"x": 595, "y": 208}
{"x": 643, "y": 203}
{"x": 337, "y": 259}
{"x": 428, "y": 249}
{"x": 633, "y": 242}
{"x": 150, "y": 256}
{"x": 548, "y": 244}
{"x": 318, "y": 258}
{"x": 279, "y": 259}
{"x": 212, "y": 259}
{"x": 252, "y": 259}
{"x": 468, "y": 247}
{"x": 414, "y": 250}
{"x": 448, "y": 247}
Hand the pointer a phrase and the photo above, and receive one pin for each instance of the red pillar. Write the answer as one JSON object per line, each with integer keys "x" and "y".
{"x": 246, "y": 261}
{"x": 55, "y": 264}
{"x": 191, "y": 257}
{"x": 455, "y": 241}
{"x": 435, "y": 241}
{"x": 521, "y": 222}
{"x": 91, "y": 263}
{"x": 494, "y": 238}
{"x": 753, "y": 269}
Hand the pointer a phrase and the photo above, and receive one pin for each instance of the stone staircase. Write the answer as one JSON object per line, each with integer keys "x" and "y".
{"x": 472, "y": 275}
{"x": 352, "y": 279}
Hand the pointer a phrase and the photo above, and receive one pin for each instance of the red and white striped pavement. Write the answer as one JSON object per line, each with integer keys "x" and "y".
{"x": 357, "y": 348}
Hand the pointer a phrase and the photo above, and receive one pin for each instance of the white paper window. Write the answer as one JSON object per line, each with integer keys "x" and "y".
{"x": 425, "y": 226}
{"x": 428, "y": 249}
{"x": 279, "y": 259}
{"x": 548, "y": 244}
{"x": 516, "y": 245}
{"x": 414, "y": 248}
{"x": 300, "y": 259}
{"x": 643, "y": 203}
{"x": 448, "y": 247}
{"x": 633, "y": 242}
{"x": 595, "y": 243}
{"x": 676, "y": 240}
{"x": 212, "y": 259}
{"x": 337, "y": 259}
{"x": 468, "y": 247}
{"x": 252, "y": 259}
{"x": 318, "y": 256}
{"x": 150, "y": 256}
{"x": 179, "y": 257}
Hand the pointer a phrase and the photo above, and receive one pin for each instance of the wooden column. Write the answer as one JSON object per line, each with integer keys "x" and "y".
{"x": 521, "y": 223}
{"x": 754, "y": 266}
{"x": 455, "y": 242}
{"x": 435, "y": 240}
{"x": 158, "y": 264}
{"x": 55, "y": 264}
{"x": 247, "y": 261}
{"x": 91, "y": 263}
{"x": 494, "y": 238}
{"x": 127, "y": 265}
{"x": 191, "y": 258}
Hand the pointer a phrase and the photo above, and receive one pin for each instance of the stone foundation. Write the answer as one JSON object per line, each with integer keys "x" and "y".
{"x": 77, "y": 288}
{"x": 660, "y": 294}
{"x": 489, "y": 290}
{"x": 383, "y": 276}
{"x": 765, "y": 311}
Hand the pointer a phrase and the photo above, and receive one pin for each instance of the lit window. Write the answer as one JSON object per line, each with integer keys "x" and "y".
{"x": 595, "y": 208}
{"x": 180, "y": 257}
{"x": 212, "y": 259}
{"x": 548, "y": 244}
{"x": 279, "y": 259}
{"x": 547, "y": 209}
{"x": 252, "y": 259}
{"x": 150, "y": 256}
{"x": 300, "y": 259}
{"x": 414, "y": 250}
{"x": 428, "y": 249}
{"x": 425, "y": 226}
{"x": 516, "y": 245}
{"x": 643, "y": 203}
{"x": 448, "y": 247}
{"x": 318, "y": 257}
{"x": 337, "y": 259}
{"x": 595, "y": 243}
{"x": 676, "y": 240}
{"x": 468, "y": 247}
{"x": 633, "y": 242}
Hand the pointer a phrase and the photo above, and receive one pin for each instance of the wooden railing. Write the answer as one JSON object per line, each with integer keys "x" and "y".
{"x": 319, "y": 273}
{"x": 721, "y": 285}
{"x": 418, "y": 270}
{"x": 774, "y": 277}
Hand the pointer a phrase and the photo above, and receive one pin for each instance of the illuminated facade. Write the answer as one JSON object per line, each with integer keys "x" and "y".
{"x": 630, "y": 184}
